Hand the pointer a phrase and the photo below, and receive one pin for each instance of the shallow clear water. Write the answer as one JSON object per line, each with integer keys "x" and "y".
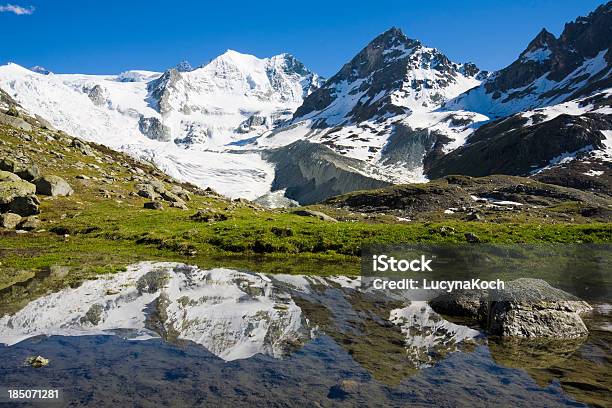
{"x": 172, "y": 335}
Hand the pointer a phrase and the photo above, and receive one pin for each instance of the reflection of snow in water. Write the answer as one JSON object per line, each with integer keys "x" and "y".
{"x": 426, "y": 332}
{"x": 233, "y": 314}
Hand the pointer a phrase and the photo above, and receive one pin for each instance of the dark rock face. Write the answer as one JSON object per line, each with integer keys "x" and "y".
{"x": 507, "y": 146}
{"x": 382, "y": 68}
{"x": 161, "y": 89}
{"x": 311, "y": 172}
{"x": 154, "y": 129}
{"x": 96, "y": 94}
{"x": 25, "y": 206}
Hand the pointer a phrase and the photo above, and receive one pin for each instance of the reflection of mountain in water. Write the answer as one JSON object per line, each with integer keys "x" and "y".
{"x": 236, "y": 315}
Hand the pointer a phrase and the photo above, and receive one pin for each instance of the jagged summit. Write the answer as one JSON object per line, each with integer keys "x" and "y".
{"x": 392, "y": 75}
{"x": 550, "y": 70}
{"x": 40, "y": 70}
{"x": 184, "y": 66}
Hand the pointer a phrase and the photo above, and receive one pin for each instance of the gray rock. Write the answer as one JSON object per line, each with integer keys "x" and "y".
{"x": 464, "y": 303}
{"x": 157, "y": 185}
{"x": 153, "y": 205}
{"x": 15, "y": 122}
{"x": 154, "y": 129}
{"x": 171, "y": 197}
{"x": 8, "y": 176}
{"x": 315, "y": 214}
{"x": 29, "y": 173}
{"x": 146, "y": 191}
{"x": 533, "y": 308}
{"x": 9, "y": 190}
{"x": 53, "y": 186}
{"x": 179, "y": 204}
{"x": 30, "y": 223}
{"x": 9, "y": 220}
{"x": 24, "y": 206}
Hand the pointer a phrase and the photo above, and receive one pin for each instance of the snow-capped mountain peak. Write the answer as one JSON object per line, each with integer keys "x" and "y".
{"x": 392, "y": 75}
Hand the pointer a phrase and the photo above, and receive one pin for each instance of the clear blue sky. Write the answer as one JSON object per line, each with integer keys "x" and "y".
{"x": 110, "y": 36}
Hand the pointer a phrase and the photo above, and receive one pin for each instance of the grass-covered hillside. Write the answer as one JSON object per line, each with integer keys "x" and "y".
{"x": 103, "y": 224}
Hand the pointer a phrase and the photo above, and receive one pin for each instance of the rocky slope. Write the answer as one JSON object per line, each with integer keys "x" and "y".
{"x": 478, "y": 199}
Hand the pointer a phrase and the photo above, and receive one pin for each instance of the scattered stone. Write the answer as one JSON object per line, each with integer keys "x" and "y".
{"x": 37, "y": 362}
{"x": 315, "y": 214}
{"x": 146, "y": 191}
{"x": 153, "y": 205}
{"x": 475, "y": 217}
{"x": 9, "y": 220}
{"x": 471, "y": 238}
{"x": 53, "y": 186}
{"x": 171, "y": 197}
{"x": 179, "y": 204}
{"x": 29, "y": 173}
{"x": 209, "y": 216}
{"x": 282, "y": 232}
{"x": 30, "y": 223}
{"x": 82, "y": 177}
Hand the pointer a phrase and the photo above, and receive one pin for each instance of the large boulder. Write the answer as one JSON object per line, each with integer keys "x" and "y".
{"x": 9, "y": 190}
{"x": 9, "y": 220}
{"x": 525, "y": 308}
{"x": 8, "y": 176}
{"x": 24, "y": 206}
{"x": 463, "y": 303}
{"x": 146, "y": 191}
{"x": 53, "y": 186}
{"x": 533, "y": 308}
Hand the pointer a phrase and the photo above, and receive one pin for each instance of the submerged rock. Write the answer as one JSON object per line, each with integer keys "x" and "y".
{"x": 526, "y": 308}
{"x": 533, "y": 308}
